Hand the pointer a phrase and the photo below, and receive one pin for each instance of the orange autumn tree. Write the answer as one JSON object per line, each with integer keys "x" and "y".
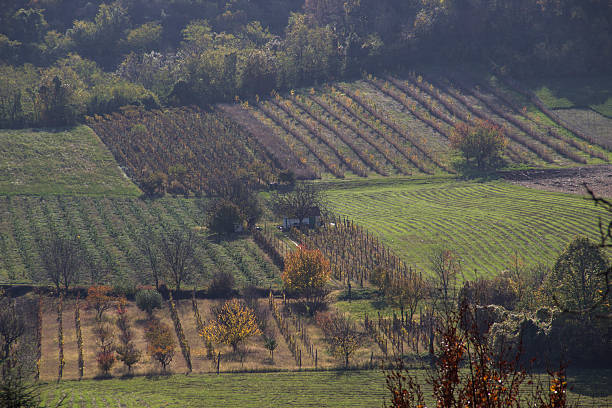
{"x": 233, "y": 323}
{"x": 306, "y": 273}
{"x": 160, "y": 343}
{"x": 99, "y": 299}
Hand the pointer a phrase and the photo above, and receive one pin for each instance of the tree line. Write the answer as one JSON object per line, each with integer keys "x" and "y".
{"x": 196, "y": 52}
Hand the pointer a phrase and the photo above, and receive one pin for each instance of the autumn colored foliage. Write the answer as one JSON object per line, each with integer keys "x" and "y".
{"x": 160, "y": 343}
{"x": 306, "y": 272}
{"x": 233, "y": 323}
{"x": 491, "y": 379}
{"x": 483, "y": 142}
{"x": 341, "y": 334}
{"x": 99, "y": 299}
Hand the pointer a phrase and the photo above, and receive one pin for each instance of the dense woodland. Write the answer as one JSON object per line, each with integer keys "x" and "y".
{"x": 62, "y": 60}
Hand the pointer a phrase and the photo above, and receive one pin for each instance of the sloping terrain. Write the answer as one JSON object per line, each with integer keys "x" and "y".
{"x": 62, "y": 161}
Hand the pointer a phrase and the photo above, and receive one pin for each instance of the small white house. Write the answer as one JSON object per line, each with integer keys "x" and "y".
{"x": 312, "y": 219}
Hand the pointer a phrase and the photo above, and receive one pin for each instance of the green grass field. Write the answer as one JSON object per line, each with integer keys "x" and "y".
{"x": 60, "y": 161}
{"x": 485, "y": 223}
{"x": 595, "y": 93}
{"x": 279, "y": 389}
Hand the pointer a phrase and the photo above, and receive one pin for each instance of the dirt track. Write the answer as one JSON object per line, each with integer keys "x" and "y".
{"x": 571, "y": 180}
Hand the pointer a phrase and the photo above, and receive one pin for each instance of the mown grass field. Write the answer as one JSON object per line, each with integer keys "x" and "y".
{"x": 109, "y": 229}
{"x": 558, "y": 93}
{"x": 279, "y": 389}
{"x": 62, "y": 161}
{"x": 487, "y": 224}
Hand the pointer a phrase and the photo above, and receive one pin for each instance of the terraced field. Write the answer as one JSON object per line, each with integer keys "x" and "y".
{"x": 486, "y": 223}
{"x": 284, "y": 389}
{"x": 401, "y": 126}
{"x": 60, "y": 161}
{"x": 109, "y": 229}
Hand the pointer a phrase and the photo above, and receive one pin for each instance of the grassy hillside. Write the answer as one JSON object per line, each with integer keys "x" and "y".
{"x": 284, "y": 389}
{"x": 486, "y": 223}
{"x": 109, "y": 229}
{"x": 62, "y": 161}
{"x": 557, "y": 93}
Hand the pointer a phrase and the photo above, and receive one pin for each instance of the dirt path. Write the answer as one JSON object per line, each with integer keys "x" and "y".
{"x": 570, "y": 180}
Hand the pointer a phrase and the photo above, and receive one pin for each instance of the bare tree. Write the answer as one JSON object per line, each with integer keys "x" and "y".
{"x": 298, "y": 202}
{"x": 12, "y": 329}
{"x": 342, "y": 335}
{"x": 63, "y": 260}
{"x": 411, "y": 291}
{"x": 178, "y": 255}
{"x": 149, "y": 246}
{"x": 446, "y": 268}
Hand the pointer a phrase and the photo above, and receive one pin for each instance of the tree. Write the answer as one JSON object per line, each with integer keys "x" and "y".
{"x": 233, "y": 323}
{"x": 577, "y": 281}
{"x": 154, "y": 184}
{"x": 106, "y": 354}
{"x": 297, "y": 203}
{"x": 62, "y": 259}
{"x": 605, "y": 242}
{"x": 494, "y": 378}
{"x": 178, "y": 255}
{"x": 342, "y": 335}
{"x": 126, "y": 350}
{"x": 306, "y": 272}
{"x": 144, "y": 38}
{"x": 484, "y": 142}
{"x": 148, "y": 300}
{"x": 446, "y": 268}
{"x": 270, "y": 344}
{"x": 224, "y": 217}
{"x": 222, "y": 284}
{"x": 98, "y": 298}
{"x": 12, "y": 330}
{"x": 160, "y": 343}
{"x": 149, "y": 246}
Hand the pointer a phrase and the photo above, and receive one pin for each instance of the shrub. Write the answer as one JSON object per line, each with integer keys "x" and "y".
{"x": 148, "y": 300}
{"x": 222, "y": 284}
{"x": 497, "y": 291}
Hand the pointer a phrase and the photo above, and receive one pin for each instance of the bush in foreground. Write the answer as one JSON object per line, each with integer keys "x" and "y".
{"x": 148, "y": 300}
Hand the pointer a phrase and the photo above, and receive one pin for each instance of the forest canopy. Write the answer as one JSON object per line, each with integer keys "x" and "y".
{"x": 63, "y": 59}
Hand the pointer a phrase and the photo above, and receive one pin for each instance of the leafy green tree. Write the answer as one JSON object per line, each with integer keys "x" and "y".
{"x": 309, "y": 52}
{"x": 144, "y": 38}
{"x": 578, "y": 281}
{"x": 224, "y": 217}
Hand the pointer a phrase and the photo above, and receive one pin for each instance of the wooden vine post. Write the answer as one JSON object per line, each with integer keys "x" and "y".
{"x": 60, "y": 337}
{"x": 79, "y": 337}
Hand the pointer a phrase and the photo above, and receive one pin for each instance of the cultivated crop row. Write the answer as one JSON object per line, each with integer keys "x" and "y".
{"x": 109, "y": 231}
{"x": 192, "y": 149}
{"x": 354, "y": 253}
{"x": 517, "y": 87}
